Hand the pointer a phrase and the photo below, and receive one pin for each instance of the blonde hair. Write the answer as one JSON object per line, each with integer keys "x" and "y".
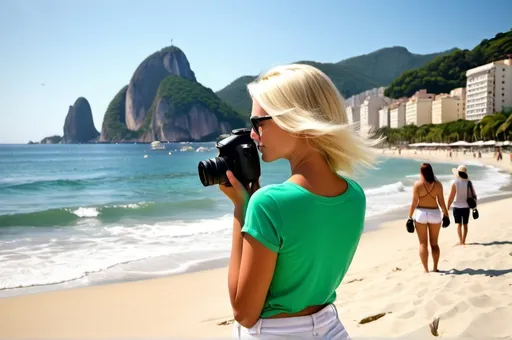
{"x": 303, "y": 100}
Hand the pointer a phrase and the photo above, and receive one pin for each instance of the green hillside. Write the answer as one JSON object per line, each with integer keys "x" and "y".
{"x": 351, "y": 76}
{"x": 385, "y": 64}
{"x": 185, "y": 93}
{"x": 448, "y": 72}
{"x": 114, "y": 122}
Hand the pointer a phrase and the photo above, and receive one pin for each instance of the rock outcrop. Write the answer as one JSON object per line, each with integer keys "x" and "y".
{"x": 51, "y": 140}
{"x": 146, "y": 79}
{"x": 198, "y": 124}
{"x": 79, "y": 124}
{"x": 164, "y": 101}
{"x": 184, "y": 110}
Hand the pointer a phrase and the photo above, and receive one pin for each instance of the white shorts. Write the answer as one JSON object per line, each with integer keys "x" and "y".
{"x": 428, "y": 216}
{"x": 323, "y": 324}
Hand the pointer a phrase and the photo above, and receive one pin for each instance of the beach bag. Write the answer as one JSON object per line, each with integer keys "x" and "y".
{"x": 471, "y": 200}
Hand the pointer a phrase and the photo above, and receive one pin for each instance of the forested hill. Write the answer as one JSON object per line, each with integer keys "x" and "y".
{"x": 445, "y": 73}
{"x": 351, "y": 76}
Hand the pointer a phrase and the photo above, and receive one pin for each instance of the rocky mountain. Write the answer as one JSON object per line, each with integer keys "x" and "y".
{"x": 146, "y": 79}
{"x": 51, "y": 140}
{"x": 351, "y": 76}
{"x": 79, "y": 125}
{"x": 164, "y": 101}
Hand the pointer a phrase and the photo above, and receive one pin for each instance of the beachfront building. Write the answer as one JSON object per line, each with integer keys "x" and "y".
{"x": 418, "y": 110}
{"x": 460, "y": 92}
{"x": 358, "y": 99}
{"x": 488, "y": 89}
{"x": 446, "y": 108}
{"x": 397, "y": 114}
{"x": 369, "y": 113}
{"x": 384, "y": 117}
{"x": 353, "y": 114}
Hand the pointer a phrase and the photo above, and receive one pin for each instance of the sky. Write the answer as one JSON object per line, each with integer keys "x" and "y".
{"x": 54, "y": 51}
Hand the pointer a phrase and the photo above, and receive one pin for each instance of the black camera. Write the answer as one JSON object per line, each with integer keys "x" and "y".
{"x": 238, "y": 153}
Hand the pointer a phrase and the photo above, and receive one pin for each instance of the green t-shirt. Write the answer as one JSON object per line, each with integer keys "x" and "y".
{"x": 315, "y": 238}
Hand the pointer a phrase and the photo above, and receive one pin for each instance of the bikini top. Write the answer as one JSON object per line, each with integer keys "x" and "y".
{"x": 428, "y": 191}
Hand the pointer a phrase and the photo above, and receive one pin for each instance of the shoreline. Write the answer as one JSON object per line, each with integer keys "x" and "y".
{"x": 442, "y": 156}
{"x": 372, "y": 223}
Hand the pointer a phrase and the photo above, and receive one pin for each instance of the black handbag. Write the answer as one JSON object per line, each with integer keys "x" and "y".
{"x": 471, "y": 197}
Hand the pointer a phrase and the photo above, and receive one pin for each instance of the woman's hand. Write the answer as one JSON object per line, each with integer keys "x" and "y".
{"x": 237, "y": 193}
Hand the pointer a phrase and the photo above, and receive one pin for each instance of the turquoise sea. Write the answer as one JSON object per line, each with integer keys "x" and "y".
{"x": 74, "y": 215}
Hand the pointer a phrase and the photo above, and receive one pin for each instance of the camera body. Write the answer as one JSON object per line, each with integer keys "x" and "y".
{"x": 238, "y": 153}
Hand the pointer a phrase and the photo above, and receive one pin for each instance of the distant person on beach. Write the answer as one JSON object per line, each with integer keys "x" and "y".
{"x": 427, "y": 198}
{"x": 459, "y": 198}
{"x": 293, "y": 242}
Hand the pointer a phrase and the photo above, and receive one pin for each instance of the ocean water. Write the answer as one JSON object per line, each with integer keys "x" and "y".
{"x": 74, "y": 215}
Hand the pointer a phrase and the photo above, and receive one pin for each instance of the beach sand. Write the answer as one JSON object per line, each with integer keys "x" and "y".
{"x": 472, "y": 295}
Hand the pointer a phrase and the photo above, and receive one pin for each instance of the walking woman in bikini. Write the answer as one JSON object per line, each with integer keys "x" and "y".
{"x": 427, "y": 198}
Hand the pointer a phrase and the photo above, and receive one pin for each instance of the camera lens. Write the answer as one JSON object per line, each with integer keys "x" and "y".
{"x": 213, "y": 171}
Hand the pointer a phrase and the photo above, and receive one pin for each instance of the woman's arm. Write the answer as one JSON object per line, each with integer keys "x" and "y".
{"x": 251, "y": 264}
{"x": 440, "y": 198}
{"x": 415, "y": 200}
{"x": 251, "y": 268}
{"x": 453, "y": 191}
{"x": 254, "y": 277}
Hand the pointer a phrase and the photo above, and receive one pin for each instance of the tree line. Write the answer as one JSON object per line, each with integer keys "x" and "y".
{"x": 497, "y": 127}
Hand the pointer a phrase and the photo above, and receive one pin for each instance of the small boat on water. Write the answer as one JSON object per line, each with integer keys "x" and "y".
{"x": 187, "y": 148}
{"x": 157, "y": 145}
{"x": 202, "y": 149}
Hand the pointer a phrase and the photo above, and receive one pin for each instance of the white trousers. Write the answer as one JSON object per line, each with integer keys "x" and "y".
{"x": 323, "y": 324}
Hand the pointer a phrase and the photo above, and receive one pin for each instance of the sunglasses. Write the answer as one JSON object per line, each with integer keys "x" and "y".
{"x": 256, "y": 121}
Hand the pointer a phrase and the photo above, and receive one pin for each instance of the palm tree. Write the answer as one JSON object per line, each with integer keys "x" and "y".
{"x": 506, "y": 128}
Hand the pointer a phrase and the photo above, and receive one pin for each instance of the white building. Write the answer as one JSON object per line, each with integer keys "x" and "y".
{"x": 369, "y": 113}
{"x": 397, "y": 114}
{"x": 353, "y": 114}
{"x": 358, "y": 99}
{"x": 384, "y": 117}
{"x": 488, "y": 89}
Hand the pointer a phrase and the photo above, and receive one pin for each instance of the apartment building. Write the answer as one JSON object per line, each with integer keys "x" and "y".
{"x": 358, "y": 99}
{"x": 384, "y": 117}
{"x": 397, "y": 114}
{"x": 488, "y": 89}
{"x": 460, "y": 92}
{"x": 353, "y": 114}
{"x": 446, "y": 108}
{"x": 418, "y": 110}
{"x": 369, "y": 113}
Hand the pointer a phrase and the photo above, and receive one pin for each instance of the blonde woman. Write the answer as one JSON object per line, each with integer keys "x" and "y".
{"x": 293, "y": 242}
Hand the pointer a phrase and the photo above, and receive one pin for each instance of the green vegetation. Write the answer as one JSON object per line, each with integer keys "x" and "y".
{"x": 114, "y": 122}
{"x": 351, "y": 76}
{"x": 184, "y": 94}
{"x": 384, "y": 65}
{"x": 492, "y": 127}
{"x": 445, "y": 73}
